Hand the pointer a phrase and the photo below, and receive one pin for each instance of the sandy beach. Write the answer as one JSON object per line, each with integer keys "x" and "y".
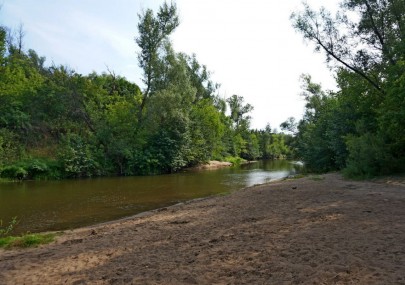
{"x": 313, "y": 230}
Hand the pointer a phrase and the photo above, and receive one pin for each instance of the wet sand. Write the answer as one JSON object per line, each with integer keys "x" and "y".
{"x": 314, "y": 230}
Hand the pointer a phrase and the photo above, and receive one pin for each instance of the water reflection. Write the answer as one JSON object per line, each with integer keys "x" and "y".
{"x": 58, "y": 205}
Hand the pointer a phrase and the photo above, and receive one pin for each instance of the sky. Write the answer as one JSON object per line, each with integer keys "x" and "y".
{"x": 249, "y": 45}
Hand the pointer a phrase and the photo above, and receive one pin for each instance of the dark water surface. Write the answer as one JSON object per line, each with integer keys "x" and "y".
{"x": 67, "y": 204}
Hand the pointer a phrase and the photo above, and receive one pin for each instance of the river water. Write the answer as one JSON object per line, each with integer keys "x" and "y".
{"x": 67, "y": 204}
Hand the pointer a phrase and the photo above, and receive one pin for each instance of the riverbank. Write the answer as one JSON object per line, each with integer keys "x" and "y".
{"x": 215, "y": 164}
{"x": 314, "y": 230}
{"x": 212, "y": 164}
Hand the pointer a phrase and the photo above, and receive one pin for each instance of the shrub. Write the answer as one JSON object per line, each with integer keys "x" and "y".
{"x": 9, "y": 147}
{"x": 234, "y": 160}
{"x": 368, "y": 156}
{"x": 14, "y": 172}
{"x": 77, "y": 157}
{"x": 32, "y": 169}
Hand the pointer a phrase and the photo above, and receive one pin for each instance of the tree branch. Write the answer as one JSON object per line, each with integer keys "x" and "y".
{"x": 352, "y": 68}
{"x": 377, "y": 32}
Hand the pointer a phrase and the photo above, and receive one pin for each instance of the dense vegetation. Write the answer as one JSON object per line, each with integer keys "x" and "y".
{"x": 56, "y": 123}
{"x": 359, "y": 127}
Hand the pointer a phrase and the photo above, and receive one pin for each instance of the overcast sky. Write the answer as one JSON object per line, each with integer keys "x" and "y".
{"x": 249, "y": 45}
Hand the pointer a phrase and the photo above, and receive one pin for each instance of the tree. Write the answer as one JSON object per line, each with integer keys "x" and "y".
{"x": 265, "y": 140}
{"x": 200, "y": 78}
{"x": 153, "y": 32}
{"x": 357, "y": 127}
{"x": 239, "y": 123}
{"x": 56, "y": 123}
{"x": 252, "y": 149}
{"x": 3, "y": 47}
{"x": 289, "y": 125}
{"x": 366, "y": 45}
{"x": 315, "y": 138}
{"x": 207, "y": 129}
{"x": 239, "y": 112}
{"x": 167, "y": 121}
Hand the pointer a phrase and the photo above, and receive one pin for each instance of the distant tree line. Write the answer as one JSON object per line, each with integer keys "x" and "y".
{"x": 56, "y": 123}
{"x": 360, "y": 127}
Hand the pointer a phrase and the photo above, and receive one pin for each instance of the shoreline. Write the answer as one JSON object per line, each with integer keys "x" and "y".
{"x": 324, "y": 230}
{"x": 165, "y": 208}
{"x": 211, "y": 165}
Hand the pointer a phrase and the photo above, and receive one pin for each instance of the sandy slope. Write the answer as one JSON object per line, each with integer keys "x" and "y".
{"x": 305, "y": 231}
{"x": 213, "y": 164}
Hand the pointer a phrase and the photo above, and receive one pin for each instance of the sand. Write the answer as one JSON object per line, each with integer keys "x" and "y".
{"x": 315, "y": 230}
{"x": 211, "y": 165}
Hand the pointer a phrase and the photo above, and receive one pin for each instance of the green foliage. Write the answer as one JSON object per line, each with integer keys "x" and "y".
{"x": 200, "y": 79}
{"x": 56, "y": 123}
{"x": 206, "y": 131}
{"x": 3, "y": 35}
{"x": 251, "y": 150}
{"x": 315, "y": 139}
{"x": 26, "y": 241}
{"x": 368, "y": 157}
{"x": 239, "y": 112}
{"x": 278, "y": 149}
{"x": 77, "y": 157}
{"x": 36, "y": 168}
{"x": 169, "y": 131}
{"x": 241, "y": 142}
{"x": 234, "y": 160}
{"x": 391, "y": 118}
{"x": 14, "y": 172}
{"x": 10, "y": 149}
{"x": 359, "y": 128}
{"x": 154, "y": 31}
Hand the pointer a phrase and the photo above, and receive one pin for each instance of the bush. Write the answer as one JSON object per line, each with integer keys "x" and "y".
{"x": 234, "y": 160}
{"x": 14, "y": 172}
{"x": 32, "y": 169}
{"x": 77, "y": 157}
{"x": 9, "y": 147}
{"x": 369, "y": 156}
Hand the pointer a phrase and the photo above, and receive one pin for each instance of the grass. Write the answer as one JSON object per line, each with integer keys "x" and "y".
{"x": 24, "y": 241}
{"x": 27, "y": 240}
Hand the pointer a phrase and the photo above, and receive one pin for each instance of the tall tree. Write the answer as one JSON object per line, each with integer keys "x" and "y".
{"x": 239, "y": 124}
{"x": 239, "y": 112}
{"x": 359, "y": 126}
{"x": 153, "y": 30}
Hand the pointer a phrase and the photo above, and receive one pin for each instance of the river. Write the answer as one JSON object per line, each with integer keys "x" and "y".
{"x": 67, "y": 204}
